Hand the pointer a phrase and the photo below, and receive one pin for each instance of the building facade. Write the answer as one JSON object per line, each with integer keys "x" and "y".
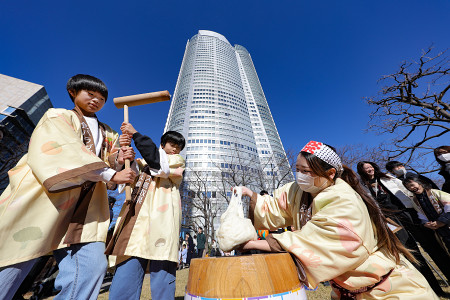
{"x": 220, "y": 108}
{"x": 22, "y": 105}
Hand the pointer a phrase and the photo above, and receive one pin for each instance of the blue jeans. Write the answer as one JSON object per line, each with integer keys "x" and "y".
{"x": 127, "y": 282}
{"x": 81, "y": 271}
{"x": 11, "y": 278}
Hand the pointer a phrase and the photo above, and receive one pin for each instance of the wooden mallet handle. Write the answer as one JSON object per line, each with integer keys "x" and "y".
{"x": 127, "y": 161}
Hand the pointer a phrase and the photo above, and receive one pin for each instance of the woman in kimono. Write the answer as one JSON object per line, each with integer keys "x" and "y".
{"x": 340, "y": 234}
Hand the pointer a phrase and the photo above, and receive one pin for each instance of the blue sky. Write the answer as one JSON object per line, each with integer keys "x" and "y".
{"x": 316, "y": 60}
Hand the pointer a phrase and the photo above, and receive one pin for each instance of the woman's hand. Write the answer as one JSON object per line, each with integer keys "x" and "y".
{"x": 245, "y": 191}
{"x": 434, "y": 225}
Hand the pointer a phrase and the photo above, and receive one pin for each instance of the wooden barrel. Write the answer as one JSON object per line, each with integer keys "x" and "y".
{"x": 250, "y": 276}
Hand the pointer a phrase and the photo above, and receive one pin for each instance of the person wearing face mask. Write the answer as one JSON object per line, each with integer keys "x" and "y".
{"x": 442, "y": 155}
{"x": 340, "y": 234}
{"x": 398, "y": 169}
{"x": 396, "y": 203}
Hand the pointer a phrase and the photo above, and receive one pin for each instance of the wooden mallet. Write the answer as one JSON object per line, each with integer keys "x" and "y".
{"x": 134, "y": 100}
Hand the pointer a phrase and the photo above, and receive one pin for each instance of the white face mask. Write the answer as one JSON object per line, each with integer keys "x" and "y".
{"x": 399, "y": 172}
{"x": 306, "y": 183}
{"x": 444, "y": 157}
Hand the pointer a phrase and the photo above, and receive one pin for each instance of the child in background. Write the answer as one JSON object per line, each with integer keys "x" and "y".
{"x": 183, "y": 256}
{"x": 57, "y": 201}
{"x": 148, "y": 227}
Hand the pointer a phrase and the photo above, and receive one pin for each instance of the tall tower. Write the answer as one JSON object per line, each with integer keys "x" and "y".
{"x": 220, "y": 108}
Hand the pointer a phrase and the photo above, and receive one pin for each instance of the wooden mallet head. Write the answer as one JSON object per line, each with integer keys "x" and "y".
{"x": 141, "y": 99}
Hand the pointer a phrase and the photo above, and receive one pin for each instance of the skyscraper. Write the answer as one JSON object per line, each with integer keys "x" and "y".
{"x": 220, "y": 108}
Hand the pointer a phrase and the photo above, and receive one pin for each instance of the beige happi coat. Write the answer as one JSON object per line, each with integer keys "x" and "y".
{"x": 149, "y": 227}
{"x": 339, "y": 243}
{"x": 38, "y": 205}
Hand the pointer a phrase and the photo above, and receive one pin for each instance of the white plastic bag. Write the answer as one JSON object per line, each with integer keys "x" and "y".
{"x": 234, "y": 229}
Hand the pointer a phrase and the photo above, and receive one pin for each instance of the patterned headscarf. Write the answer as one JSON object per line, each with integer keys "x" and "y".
{"x": 325, "y": 153}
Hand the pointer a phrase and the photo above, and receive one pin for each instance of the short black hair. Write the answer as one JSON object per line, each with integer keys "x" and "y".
{"x": 81, "y": 82}
{"x": 173, "y": 137}
{"x": 111, "y": 200}
{"x": 264, "y": 192}
{"x": 393, "y": 164}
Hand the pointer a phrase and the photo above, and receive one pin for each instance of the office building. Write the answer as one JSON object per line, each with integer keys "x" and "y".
{"x": 220, "y": 108}
{"x": 22, "y": 104}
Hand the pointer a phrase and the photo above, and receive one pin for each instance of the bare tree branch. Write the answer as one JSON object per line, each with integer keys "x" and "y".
{"x": 413, "y": 106}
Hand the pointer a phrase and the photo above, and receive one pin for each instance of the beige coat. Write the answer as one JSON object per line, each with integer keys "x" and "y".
{"x": 151, "y": 229}
{"x": 339, "y": 243}
{"x": 39, "y": 203}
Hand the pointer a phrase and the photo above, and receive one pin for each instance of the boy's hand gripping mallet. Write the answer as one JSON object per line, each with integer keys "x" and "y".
{"x": 134, "y": 100}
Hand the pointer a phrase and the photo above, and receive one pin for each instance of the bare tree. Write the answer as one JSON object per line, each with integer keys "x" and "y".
{"x": 211, "y": 190}
{"x": 414, "y": 106}
{"x": 203, "y": 200}
{"x": 351, "y": 155}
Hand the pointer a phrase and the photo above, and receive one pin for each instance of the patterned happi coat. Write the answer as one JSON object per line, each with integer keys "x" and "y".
{"x": 338, "y": 243}
{"x": 49, "y": 204}
{"x": 149, "y": 225}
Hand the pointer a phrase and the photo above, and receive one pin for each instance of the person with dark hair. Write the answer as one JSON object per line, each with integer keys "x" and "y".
{"x": 175, "y": 139}
{"x": 398, "y": 169}
{"x": 57, "y": 200}
{"x": 263, "y": 192}
{"x": 396, "y": 203}
{"x": 201, "y": 241}
{"x": 111, "y": 201}
{"x": 341, "y": 235}
{"x": 433, "y": 208}
{"x": 148, "y": 227}
{"x": 191, "y": 249}
{"x": 442, "y": 155}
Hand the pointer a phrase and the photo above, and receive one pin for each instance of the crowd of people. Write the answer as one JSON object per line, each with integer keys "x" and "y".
{"x": 196, "y": 247}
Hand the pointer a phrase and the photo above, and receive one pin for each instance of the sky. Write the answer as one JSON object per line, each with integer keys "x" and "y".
{"x": 316, "y": 60}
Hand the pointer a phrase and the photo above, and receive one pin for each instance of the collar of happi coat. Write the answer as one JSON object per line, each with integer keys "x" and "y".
{"x": 437, "y": 205}
{"x": 88, "y": 139}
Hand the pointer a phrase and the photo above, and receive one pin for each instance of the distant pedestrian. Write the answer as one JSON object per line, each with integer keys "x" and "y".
{"x": 201, "y": 241}
{"x": 190, "y": 249}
